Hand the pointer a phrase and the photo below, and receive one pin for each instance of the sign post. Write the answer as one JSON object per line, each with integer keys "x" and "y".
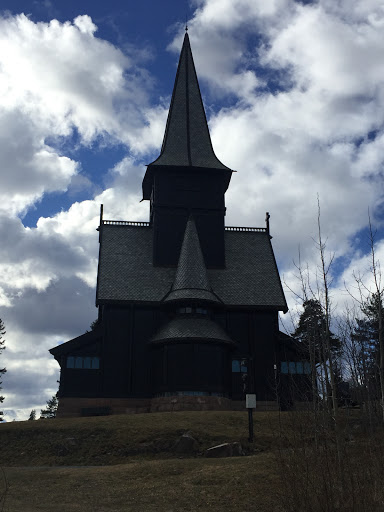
{"x": 250, "y": 404}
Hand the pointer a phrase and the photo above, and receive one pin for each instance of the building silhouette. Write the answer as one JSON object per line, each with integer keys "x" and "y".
{"x": 188, "y": 307}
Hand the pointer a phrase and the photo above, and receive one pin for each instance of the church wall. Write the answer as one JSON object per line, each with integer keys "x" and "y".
{"x": 255, "y": 333}
{"x": 175, "y": 196}
{"x": 191, "y": 367}
{"x": 75, "y": 380}
{"x": 126, "y": 357}
{"x": 130, "y": 368}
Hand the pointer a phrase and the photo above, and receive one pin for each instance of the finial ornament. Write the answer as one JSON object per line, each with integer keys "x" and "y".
{"x": 267, "y": 217}
{"x": 186, "y": 16}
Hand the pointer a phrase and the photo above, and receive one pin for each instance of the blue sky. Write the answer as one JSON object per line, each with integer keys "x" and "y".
{"x": 294, "y": 94}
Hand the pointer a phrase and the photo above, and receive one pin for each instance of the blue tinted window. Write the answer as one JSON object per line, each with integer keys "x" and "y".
{"x": 284, "y": 367}
{"x": 70, "y": 362}
{"x": 299, "y": 368}
{"x": 235, "y": 366}
{"x": 78, "y": 362}
{"x": 243, "y": 367}
{"x": 87, "y": 362}
{"x": 307, "y": 368}
{"x": 292, "y": 367}
{"x": 95, "y": 363}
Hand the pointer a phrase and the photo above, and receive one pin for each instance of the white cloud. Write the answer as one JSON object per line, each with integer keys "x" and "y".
{"x": 304, "y": 94}
{"x": 57, "y": 79}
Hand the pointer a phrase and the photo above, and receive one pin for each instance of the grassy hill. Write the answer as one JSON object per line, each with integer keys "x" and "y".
{"x": 298, "y": 462}
{"x": 128, "y": 463}
{"x": 113, "y": 439}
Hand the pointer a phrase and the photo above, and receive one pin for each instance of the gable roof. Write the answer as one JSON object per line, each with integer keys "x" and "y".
{"x": 88, "y": 338}
{"x": 126, "y": 272}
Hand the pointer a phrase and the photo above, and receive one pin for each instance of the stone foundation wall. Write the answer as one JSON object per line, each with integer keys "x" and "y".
{"x": 190, "y": 403}
{"x": 70, "y": 407}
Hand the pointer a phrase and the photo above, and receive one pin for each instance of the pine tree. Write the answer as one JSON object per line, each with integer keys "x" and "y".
{"x": 311, "y": 331}
{"x": 366, "y": 340}
{"x": 50, "y": 411}
{"x": 311, "y": 334}
{"x": 2, "y": 370}
{"x": 32, "y": 415}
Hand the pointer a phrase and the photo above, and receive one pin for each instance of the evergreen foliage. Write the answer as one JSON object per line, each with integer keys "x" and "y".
{"x": 95, "y": 324}
{"x": 317, "y": 344}
{"x": 311, "y": 331}
{"x": 32, "y": 415}
{"x": 366, "y": 339}
{"x": 50, "y": 411}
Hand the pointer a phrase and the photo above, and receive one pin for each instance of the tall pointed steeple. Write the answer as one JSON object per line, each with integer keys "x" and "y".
{"x": 187, "y": 178}
{"x": 191, "y": 279}
{"x": 186, "y": 140}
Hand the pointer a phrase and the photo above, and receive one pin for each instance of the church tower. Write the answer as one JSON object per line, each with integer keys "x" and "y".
{"x": 187, "y": 178}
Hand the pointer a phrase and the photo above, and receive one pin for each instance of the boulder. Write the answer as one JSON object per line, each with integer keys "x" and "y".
{"x": 186, "y": 444}
{"x": 225, "y": 450}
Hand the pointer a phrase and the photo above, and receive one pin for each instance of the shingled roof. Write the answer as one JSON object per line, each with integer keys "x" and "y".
{"x": 126, "y": 272}
{"x": 191, "y": 279}
{"x": 191, "y": 328}
{"x": 186, "y": 140}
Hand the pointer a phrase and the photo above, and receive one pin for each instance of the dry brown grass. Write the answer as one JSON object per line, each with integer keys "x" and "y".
{"x": 127, "y": 463}
{"x": 112, "y": 439}
{"x": 172, "y": 485}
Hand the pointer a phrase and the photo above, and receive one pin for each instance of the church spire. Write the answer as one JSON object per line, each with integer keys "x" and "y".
{"x": 187, "y": 178}
{"x": 191, "y": 279}
{"x": 186, "y": 140}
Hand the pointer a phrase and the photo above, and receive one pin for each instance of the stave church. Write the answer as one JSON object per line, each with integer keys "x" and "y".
{"x": 187, "y": 306}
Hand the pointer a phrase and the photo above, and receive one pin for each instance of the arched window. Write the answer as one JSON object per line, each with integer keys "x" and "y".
{"x": 70, "y": 362}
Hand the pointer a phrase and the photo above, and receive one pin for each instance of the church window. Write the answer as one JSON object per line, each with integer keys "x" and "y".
{"x": 239, "y": 366}
{"x": 192, "y": 309}
{"x": 83, "y": 363}
{"x": 235, "y": 366}
{"x": 295, "y": 368}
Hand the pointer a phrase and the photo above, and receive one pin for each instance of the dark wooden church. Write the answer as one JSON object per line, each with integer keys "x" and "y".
{"x": 188, "y": 307}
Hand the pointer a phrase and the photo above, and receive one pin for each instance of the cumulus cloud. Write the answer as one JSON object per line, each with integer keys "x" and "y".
{"x": 55, "y": 79}
{"x": 314, "y": 136}
{"x": 295, "y": 97}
